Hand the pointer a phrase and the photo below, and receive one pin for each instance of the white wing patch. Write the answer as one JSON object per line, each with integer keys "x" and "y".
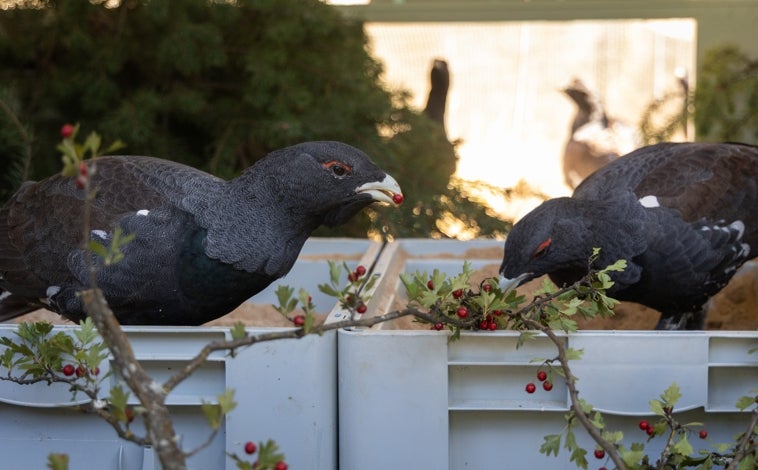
{"x": 649, "y": 201}
{"x": 739, "y": 227}
{"x": 143, "y": 212}
{"x": 101, "y": 234}
{"x": 51, "y": 291}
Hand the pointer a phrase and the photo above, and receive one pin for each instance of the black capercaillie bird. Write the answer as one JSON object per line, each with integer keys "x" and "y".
{"x": 201, "y": 246}
{"x": 683, "y": 215}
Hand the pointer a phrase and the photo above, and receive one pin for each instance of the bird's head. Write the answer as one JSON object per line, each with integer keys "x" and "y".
{"x": 331, "y": 181}
{"x": 552, "y": 238}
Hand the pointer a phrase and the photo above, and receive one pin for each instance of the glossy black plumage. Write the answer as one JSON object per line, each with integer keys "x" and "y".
{"x": 683, "y": 215}
{"x": 202, "y": 245}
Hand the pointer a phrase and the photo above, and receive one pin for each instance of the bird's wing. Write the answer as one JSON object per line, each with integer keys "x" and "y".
{"x": 45, "y": 221}
{"x": 711, "y": 181}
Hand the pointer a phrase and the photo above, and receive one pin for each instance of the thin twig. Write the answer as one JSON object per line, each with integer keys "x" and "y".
{"x": 744, "y": 445}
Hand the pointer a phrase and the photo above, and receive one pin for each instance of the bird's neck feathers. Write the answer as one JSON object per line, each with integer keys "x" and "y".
{"x": 250, "y": 225}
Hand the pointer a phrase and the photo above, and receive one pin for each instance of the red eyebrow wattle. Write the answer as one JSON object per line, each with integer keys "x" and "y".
{"x": 331, "y": 163}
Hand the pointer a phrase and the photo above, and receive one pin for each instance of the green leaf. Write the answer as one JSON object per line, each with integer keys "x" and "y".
{"x": 656, "y": 407}
{"x": 579, "y": 457}
{"x": 574, "y": 354}
{"x": 335, "y": 272}
{"x": 226, "y": 401}
{"x": 632, "y": 456}
{"x": 671, "y": 395}
{"x": 551, "y": 444}
{"x": 614, "y": 437}
{"x": 215, "y": 412}
{"x": 284, "y": 296}
{"x": 328, "y": 290}
{"x": 618, "y": 266}
{"x": 92, "y": 143}
{"x": 57, "y": 461}
{"x": 118, "y": 144}
{"x": 238, "y": 331}
{"x": 745, "y": 402}
{"x": 682, "y": 446}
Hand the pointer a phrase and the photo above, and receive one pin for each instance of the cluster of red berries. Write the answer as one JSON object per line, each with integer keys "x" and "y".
{"x": 487, "y": 323}
{"x": 647, "y": 427}
{"x": 354, "y": 276}
{"x": 359, "y": 272}
{"x": 542, "y": 377}
{"x": 69, "y": 370}
{"x": 81, "y": 177}
{"x": 250, "y": 449}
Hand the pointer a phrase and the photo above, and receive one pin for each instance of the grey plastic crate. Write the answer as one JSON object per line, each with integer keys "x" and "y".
{"x": 285, "y": 390}
{"x": 463, "y": 405}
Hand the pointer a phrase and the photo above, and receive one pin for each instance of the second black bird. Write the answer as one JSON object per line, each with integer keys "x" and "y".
{"x": 683, "y": 215}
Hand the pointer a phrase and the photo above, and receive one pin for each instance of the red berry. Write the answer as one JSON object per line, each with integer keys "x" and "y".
{"x": 542, "y": 376}
{"x": 530, "y": 387}
{"x": 397, "y": 198}
{"x": 484, "y": 325}
{"x": 250, "y": 447}
{"x": 602, "y": 468}
{"x": 438, "y": 326}
{"x": 703, "y": 434}
{"x": 361, "y": 308}
{"x": 352, "y": 277}
{"x": 80, "y": 182}
{"x": 487, "y": 287}
{"x": 493, "y": 326}
{"x": 129, "y": 413}
{"x": 599, "y": 453}
{"x": 67, "y": 130}
{"x": 80, "y": 371}
{"x": 280, "y": 466}
{"x": 360, "y": 270}
{"x": 299, "y": 320}
{"x": 650, "y": 431}
{"x": 68, "y": 370}
{"x": 430, "y": 284}
{"x": 547, "y": 385}
{"x": 497, "y": 313}
{"x": 95, "y": 371}
{"x": 457, "y": 294}
{"x": 462, "y": 312}
{"x": 644, "y": 425}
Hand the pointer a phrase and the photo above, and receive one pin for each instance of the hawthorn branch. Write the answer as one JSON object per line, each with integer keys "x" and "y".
{"x": 160, "y": 427}
{"x": 538, "y": 304}
{"x": 295, "y": 333}
{"x": 744, "y": 446}
{"x": 123, "y": 433}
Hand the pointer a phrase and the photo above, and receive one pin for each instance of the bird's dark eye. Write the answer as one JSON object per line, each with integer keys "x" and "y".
{"x": 542, "y": 248}
{"x": 338, "y": 168}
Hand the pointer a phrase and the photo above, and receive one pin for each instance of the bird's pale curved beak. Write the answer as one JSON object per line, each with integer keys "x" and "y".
{"x": 507, "y": 284}
{"x": 386, "y": 190}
